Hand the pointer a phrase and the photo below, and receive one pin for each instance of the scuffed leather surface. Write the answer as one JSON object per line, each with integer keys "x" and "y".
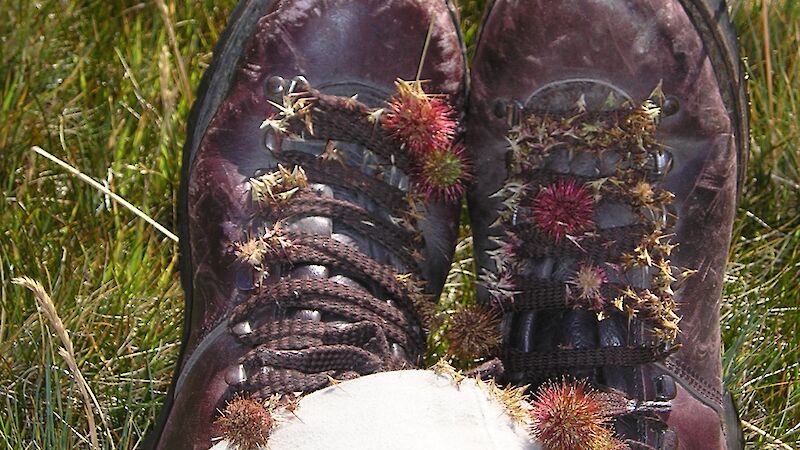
{"x": 696, "y": 424}
{"x": 189, "y": 425}
{"x": 340, "y": 44}
{"x": 631, "y": 45}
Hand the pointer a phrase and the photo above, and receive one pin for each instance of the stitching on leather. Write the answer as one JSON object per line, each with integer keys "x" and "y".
{"x": 697, "y": 383}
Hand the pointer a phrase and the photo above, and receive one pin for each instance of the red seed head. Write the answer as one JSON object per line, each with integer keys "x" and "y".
{"x": 588, "y": 282}
{"x": 564, "y": 208}
{"x": 569, "y": 416}
{"x": 246, "y": 424}
{"x": 442, "y": 174}
{"x": 421, "y": 121}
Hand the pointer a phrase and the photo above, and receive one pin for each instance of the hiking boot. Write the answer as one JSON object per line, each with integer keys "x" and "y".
{"x": 611, "y": 139}
{"x": 318, "y": 211}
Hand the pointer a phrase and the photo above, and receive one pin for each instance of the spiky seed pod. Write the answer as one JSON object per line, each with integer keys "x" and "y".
{"x": 246, "y": 424}
{"x": 443, "y": 367}
{"x": 588, "y": 282}
{"x": 564, "y": 208}
{"x": 567, "y": 415}
{"x": 256, "y": 251}
{"x": 474, "y": 332}
{"x": 419, "y": 120}
{"x": 276, "y": 240}
{"x": 441, "y": 175}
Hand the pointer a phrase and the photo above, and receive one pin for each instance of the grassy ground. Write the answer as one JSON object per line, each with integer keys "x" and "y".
{"x": 97, "y": 83}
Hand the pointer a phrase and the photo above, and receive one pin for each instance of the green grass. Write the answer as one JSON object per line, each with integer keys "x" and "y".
{"x": 96, "y": 83}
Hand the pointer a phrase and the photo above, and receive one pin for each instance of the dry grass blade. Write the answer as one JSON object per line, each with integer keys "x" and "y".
{"x": 173, "y": 41}
{"x": 770, "y": 437}
{"x": 768, "y": 60}
{"x": 107, "y": 191}
{"x": 67, "y": 352}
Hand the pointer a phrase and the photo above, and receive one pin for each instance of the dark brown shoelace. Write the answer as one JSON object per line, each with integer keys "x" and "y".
{"x": 361, "y": 327}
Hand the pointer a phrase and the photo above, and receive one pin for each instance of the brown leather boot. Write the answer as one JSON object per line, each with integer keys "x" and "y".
{"x": 611, "y": 138}
{"x": 314, "y": 227}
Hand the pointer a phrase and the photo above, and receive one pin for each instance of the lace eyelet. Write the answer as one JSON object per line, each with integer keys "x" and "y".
{"x": 661, "y": 163}
{"x": 235, "y": 375}
{"x": 271, "y": 141}
{"x": 665, "y": 388}
{"x": 275, "y": 86}
{"x": 499, "y": 108}
{"x": 310, "y": 315}
{"x": 245, "y": 279}
{"x": 299, "y": 82}
{"x": 242, "y": 329}
{"x": 671, "y": 106}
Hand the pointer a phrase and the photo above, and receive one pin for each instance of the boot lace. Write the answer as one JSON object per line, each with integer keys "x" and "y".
{"x": 307, "y": 332}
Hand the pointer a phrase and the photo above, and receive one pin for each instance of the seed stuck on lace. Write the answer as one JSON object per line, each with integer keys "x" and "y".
{"x": 473, "y": 333}
{"x": 295, "y": 106}
{"x": 256, "y": 250}
{"x": 246, "y": 424}
{"x": 643, "y": 192}
{"x": 568, "y": 415}
{"x": 421, "y": 121}
{"x": 658, "y": 309}
{"x": 588, "y": 282}
{"x": 251, "y": 252}
{"x": 442, "y": 174}
{"x": 279, "y": 185}
{"x": 562, "y": 209}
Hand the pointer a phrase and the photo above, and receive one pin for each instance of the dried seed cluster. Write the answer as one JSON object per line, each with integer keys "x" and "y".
{"x": 277, "y": 187}
{"x": 586, "y": 287}
{"x": 515, "y": 400}
{"x": 257, "y": 250}
{"x": 247, "y": 423}
{"x": 294, "y": 106}
{"x": 500, "y": 287}
{"x": 424, "y": 304}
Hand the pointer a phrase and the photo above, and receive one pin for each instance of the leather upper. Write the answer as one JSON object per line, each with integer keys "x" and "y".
{"x": 631, "y": 46}
{"x": 342, "y": 48}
